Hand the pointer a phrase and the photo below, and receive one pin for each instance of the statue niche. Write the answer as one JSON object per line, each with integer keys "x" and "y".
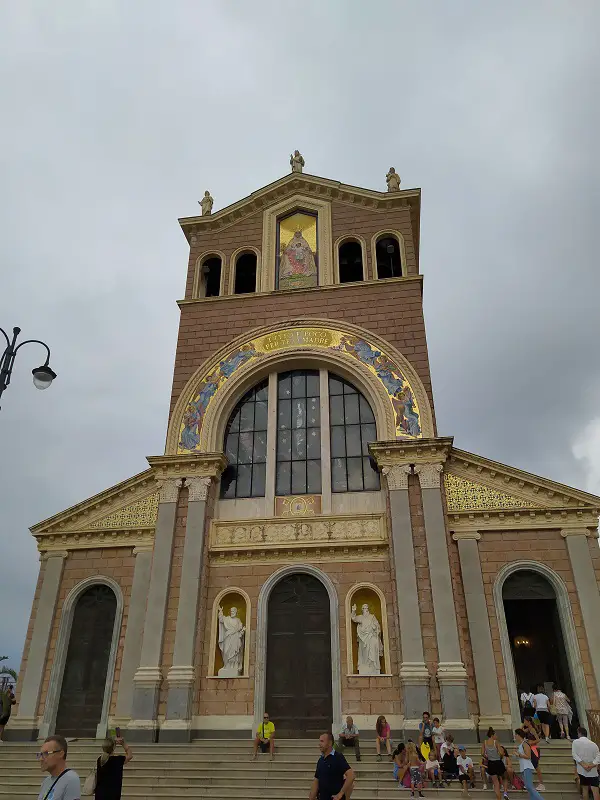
{"x": 366, "y": 652}
{"x": 230, "y": 636}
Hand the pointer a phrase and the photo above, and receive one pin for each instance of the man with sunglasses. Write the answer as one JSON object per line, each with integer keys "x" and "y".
{"x": 265, "y": 737}
{"x": 62, "y": 783}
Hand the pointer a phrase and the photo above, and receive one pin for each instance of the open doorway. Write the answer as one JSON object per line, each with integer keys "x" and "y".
{"x": 536, "y": 637}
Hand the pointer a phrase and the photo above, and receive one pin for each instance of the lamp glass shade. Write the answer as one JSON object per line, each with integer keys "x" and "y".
{"x": 42, "y": 377}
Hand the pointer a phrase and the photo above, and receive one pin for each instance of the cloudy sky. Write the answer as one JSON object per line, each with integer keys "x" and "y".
{"x": 117, "y": 116}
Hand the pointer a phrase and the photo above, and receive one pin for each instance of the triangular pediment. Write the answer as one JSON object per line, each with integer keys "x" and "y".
{"x": 311, "y": 186}
{"x": 129, "y": 505}
{"x": 474, "y": 483}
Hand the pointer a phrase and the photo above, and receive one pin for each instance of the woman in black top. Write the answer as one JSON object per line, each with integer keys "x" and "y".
{"x": 109, "y": 770}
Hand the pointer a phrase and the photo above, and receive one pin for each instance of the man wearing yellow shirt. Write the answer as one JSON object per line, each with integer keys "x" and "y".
{"x": 265, "y": 737}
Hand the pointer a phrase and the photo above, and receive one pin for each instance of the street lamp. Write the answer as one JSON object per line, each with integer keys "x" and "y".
{"x": 42, "y": 376}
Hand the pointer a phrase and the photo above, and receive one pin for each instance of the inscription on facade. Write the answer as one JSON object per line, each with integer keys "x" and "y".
{"x": 297, "y": 337}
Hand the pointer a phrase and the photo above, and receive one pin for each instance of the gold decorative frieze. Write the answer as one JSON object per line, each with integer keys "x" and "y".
{"x": 95, "y": 539}
{"x": 305, "y": 505}
{"x": 141, "y": 514}
{"x": 339, "y": 532}
{"x": 317, "y": 555}
{"x": 465, "y": 495}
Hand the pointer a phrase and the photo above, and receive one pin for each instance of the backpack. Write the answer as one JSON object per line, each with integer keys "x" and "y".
{"x": 89, "y": 785}
{"x": 517, "y": 782}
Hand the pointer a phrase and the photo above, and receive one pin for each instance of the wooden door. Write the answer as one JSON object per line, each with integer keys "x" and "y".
{"x": 299, "y": 680}
{"x": 84, "y": 680}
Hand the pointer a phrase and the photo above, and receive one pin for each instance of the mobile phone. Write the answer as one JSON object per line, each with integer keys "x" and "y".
{"x": 118, "y": 732}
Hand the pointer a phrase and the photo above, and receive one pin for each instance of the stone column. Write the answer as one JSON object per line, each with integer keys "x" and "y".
{"x": 132, "y": 647}
{"x": 451, "y": 674}
{"x": 413, "y": 672}
{"x": 182, "y": 675}
{"x": 24, "y": 725}
{"x": 148, "y": 677}
{"x": 484, "y": 661}
{"x": 587, "y": 591}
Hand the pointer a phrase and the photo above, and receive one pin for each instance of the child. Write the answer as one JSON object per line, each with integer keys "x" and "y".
{"x": 414, "y": 765}
{"x": 466, "y": 771}
{"x": 433, "y": 770}
{"x": 449, "y": 765}
{"x": 384, "y": 735}
{"x": 438, "y": 736}
{"x": 400, "y": 763}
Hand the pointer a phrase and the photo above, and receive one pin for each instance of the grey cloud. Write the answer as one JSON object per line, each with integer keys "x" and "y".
{"x": 116, "y": 117}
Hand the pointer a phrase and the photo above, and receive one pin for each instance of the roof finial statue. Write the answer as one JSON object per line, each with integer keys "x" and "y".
{"x": 393, "y": 180}
{"x": 206, "y": 203}
{"x": 296, "y": 161}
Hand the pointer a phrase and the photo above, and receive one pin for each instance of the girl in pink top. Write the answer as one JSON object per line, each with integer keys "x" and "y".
{"x": 384, "y": 734}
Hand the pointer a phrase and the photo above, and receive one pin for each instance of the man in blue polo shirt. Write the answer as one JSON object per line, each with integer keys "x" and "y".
{"x": 334, "y": 778}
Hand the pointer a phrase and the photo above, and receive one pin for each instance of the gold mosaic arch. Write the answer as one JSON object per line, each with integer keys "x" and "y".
{"x": 399, "y": 400}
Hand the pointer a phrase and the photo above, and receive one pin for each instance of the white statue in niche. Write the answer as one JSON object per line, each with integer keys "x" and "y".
{"x": 370, "y": 645}
{"x": 231, "y": 643}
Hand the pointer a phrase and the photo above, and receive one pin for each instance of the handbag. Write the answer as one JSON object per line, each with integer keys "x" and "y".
{"x": 89, "y": 785}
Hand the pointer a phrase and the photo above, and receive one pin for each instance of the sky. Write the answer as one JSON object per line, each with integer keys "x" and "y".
{"x": 117, "y": 116}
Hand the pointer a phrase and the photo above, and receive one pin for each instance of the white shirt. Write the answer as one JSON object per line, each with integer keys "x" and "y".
{"x": 527, "y": 697}
{"x": 587, "y": 751}
{"x": 438, "y": 735}
{"x": 447, "y": 747}
{"x": 541, "y": 702}
{"x": 465, "y": 763}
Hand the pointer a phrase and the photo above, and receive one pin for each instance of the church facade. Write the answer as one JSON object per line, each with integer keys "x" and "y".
{"x": 308, "y": 543}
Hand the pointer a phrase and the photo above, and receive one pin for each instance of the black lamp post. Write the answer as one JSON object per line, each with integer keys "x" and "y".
{"x": 42, "y": 376}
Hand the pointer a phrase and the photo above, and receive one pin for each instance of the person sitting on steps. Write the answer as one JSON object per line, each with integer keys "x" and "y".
{"x": 349, "y": 737}
{"x": 265, "y": 737}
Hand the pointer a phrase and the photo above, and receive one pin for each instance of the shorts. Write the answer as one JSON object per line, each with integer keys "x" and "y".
{"x": 428, "y": 740}
{"x": 4, "y": 720}
{"x": 264, "y": 746}
{"x": 583, "y": 781}
{"x": 415, "y": 775}
{"x": 495, "y": 767}
{"x": 545, "y": 717}
{"x": 462, "y": 777}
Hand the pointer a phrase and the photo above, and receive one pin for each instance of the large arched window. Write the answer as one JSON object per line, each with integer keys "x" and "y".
{"x": 246, "y": 446}
{"x": 287, "y": 447}
{"x": 389, "y": 260}
{"x": 352, "y": 426}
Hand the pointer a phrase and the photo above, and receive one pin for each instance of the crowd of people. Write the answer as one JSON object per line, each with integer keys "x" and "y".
{"x": 537, "y": 704}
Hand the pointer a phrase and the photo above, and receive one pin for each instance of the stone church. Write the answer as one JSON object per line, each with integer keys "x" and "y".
{"x": 309, "y": 543}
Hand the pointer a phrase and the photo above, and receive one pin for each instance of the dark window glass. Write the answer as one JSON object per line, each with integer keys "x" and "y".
{"x": 245, "y": 274}
{"x": 352, "y": 427}
{"x": 246, "y": 446}
{"x": 211, "y": 277}
{"x": 389, "y": 264}
{"x": 298, "y": 468}
{"x": 351, "y": 265}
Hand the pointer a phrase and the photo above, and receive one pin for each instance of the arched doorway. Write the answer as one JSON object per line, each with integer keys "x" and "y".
{"x": 86, "y": 665}
{"x": 298, "y": 693}
{"x": 535, "y": 634}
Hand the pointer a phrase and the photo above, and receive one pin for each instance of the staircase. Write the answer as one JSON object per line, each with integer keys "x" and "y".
{"x": 221, "y": 770}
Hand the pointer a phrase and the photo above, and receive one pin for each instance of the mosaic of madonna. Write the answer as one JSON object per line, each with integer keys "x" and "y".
{"x": 399, "y": 391}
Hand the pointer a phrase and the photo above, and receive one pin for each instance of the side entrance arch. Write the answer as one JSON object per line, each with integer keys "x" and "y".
{"x": 298, "y": 653}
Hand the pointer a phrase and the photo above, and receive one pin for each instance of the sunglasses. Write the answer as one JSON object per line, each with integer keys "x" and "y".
{"x": 46, "y": 753}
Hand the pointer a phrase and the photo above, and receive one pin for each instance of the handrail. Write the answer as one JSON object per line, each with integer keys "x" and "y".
{"x": 593, "y": 716}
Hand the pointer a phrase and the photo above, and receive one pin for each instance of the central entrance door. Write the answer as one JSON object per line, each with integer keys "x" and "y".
{"x": 299, "y": 678}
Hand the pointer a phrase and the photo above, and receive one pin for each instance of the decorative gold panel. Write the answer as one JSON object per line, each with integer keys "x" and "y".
{"x": 464, "y": 495}
{"x": 305, "y": 505}
{"x": 368, "y": 529}
{"x": 140, "y": 514}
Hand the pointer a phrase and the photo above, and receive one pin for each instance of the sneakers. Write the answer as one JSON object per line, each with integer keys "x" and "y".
{"x": 379, "y": 757}
{"x": 540, "y": 787}
{"x": 484, "y": 786}
{"x": 505, "y": 796}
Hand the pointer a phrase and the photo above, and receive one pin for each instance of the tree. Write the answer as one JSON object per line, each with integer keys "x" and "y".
{"x": 9, "y": 671}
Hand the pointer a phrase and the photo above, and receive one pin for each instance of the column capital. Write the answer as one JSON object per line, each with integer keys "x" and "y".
{"x": 430, "y": 475}
{"x": 46, "y": 554}
{"x": 168, "y": 490}
{"x": 209, "y": 465}
{"x": 144, "y": 548}
{"x": 198, "y": 487}
{"x": 397, "y": 476}
{"x": 458, "y": 535}
{"x": 575, "y": 532}
{"x": 411, "y": 451}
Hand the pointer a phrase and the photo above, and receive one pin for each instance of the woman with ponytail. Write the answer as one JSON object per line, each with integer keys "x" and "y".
{"x": 109, "y": 769}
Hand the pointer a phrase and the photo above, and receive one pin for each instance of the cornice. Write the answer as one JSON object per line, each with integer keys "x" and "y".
{"x": 538, "y": 518}
{"x": 539, "y": 491}
{"x": 84, "y": 514}
{"x": 414, "y": 451}
{"x": 202, "y": 465}
{"x": 298, "y": 292}
{"x": 54, "y": 544}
